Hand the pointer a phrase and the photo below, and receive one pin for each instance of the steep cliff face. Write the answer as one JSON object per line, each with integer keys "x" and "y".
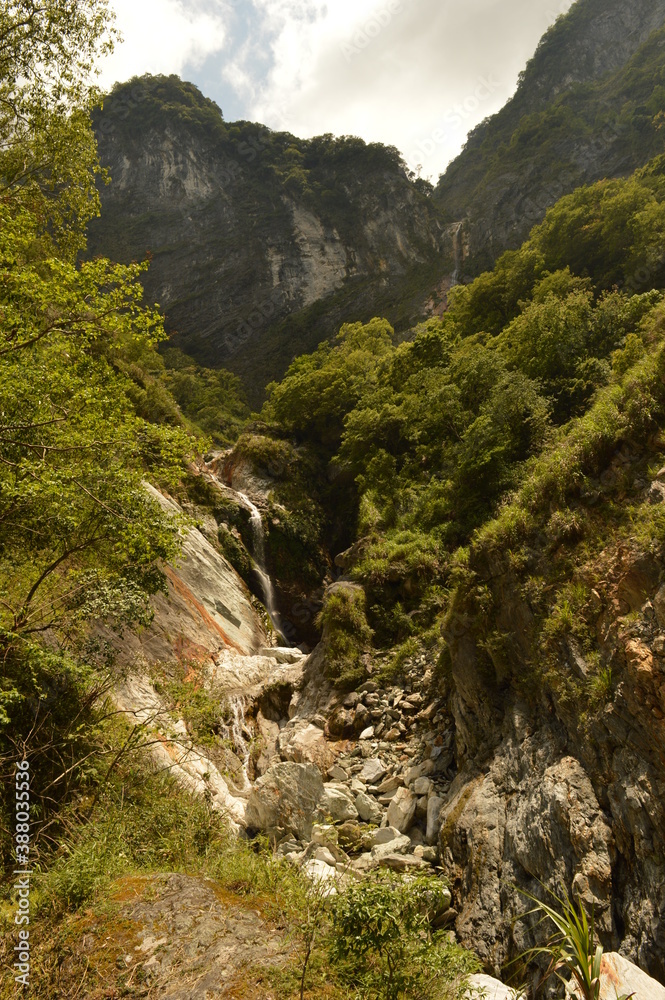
{"x": 261, "y": 243}
{"x": 556, "y": 663}
{"x": 587, "y": 107}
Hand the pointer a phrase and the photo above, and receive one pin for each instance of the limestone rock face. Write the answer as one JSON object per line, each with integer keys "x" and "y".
{"x": 207, "y": 610}
{"x": 285, "y": 799}
{"x": 502, "y": 196}
{"x": 186, "y": 937}
{"x": 237, "y": 247}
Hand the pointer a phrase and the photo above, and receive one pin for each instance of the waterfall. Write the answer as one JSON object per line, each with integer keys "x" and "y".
{"x": 259, "y": 555}
{"x": 234, "y": 733}
{"x": 459, "y": 255}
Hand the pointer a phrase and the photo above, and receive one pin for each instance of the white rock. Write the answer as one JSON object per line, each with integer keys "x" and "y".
{"x": 390, "y": 784}
{"x": 285, "y": 797}
{"x": 306, "y": 744}
{"x": 399, "y": 845}
{"x": 357, "y": 786}
{"x": 319, "y": 871}
{"x": 323, "y": 854}
{"x": 283, "y": 654}
{"x": 373, "y": 771}
{"x": 324, "y": 833}
{"x": 368, "y": 733}
{"x": 385, "y": 835}
{"x": 337, "y": 773}
{"x": 402, "y": 810}
{"x": 619, "y": 977}
{"x": 434, "y": 807}
{"x": 482, "y": 987}
{"x": 338, "y": 804}
{"x": 368, "y": 809}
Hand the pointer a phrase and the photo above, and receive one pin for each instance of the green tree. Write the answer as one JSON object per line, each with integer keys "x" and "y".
{"x": 48, "y": 155}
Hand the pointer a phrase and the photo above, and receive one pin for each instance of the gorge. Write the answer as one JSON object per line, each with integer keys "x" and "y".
{"x": 332, "y": 588}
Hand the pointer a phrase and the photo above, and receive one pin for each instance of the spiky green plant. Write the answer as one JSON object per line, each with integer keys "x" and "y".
{"x": 572, "y": 947}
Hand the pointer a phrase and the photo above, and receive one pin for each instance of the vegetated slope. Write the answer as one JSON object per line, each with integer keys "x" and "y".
{"x": 589, "y": 105}
{"x": 260, "y": 243}
{"x": 510, "y": 522}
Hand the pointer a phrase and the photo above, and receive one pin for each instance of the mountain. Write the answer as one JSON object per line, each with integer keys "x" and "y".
{"x": 261, "y": 244}
{"x": 590, "y": 104}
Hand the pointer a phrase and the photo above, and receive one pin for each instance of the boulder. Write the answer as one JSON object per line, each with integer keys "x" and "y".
{"x": 385, "y": 835}
{"x": 398, "y": 845}
{"x": 368, "y": 809}
{"x": 402, "y": 810}
{"x": 283, "y": 654}
{"x": 390, "y": 784}
{"x": 482, "y": 987}
{"x": 319, "y": 871}
{"x": 323, "y": 854}
{"x": 337, "y": 773}
{"x": 373, "y": 771}
{"x": 434, "y": 807}
{"x": 340, "y": 725}
{"x": 337, "y": 802}
{"x": 324, "y": 833}
{"x": 423, "y": 786}
{"x": 419, "y": 771}
{"x": 285, "y": 799}
{"x": 306, "y": 744}
{"x": 354, "y": 837}
{"x": 619, "y": 977}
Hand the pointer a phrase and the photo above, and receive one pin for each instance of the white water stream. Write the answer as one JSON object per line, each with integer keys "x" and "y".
{"x": 259, "y": 555}
{"x": 236, "y": 732}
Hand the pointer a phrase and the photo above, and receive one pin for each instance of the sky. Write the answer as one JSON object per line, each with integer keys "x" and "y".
{"x": 416, "y": 74}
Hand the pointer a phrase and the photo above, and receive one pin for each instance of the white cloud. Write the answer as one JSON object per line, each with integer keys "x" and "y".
{"x": 418, "y": 74}
{"x": 162, "y": 36}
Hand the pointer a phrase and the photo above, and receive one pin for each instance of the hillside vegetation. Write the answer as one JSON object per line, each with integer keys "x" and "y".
{"x": 585, "y": 109}
{"x": 437, "y": 430}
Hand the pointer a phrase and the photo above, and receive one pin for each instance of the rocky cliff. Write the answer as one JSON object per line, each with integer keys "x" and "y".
{"x": 261, "y": 244}
{"x": 587, "y": 107}
{"x": 558, "y": 693}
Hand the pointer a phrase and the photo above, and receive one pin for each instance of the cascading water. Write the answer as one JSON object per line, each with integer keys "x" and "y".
{"x": 259, "y": 555}
{"x": 459, "y": 255}
{"x": 235, "y": 732}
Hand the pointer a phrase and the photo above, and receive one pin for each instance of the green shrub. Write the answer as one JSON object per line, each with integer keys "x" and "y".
{"x": 381, "y": 931}
{"x": 346, "y": 634}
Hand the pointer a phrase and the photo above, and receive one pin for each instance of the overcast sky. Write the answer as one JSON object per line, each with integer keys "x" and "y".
{"x": 416, "y": 74}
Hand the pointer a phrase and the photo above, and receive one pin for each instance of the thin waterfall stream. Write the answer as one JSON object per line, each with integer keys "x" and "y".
{"x": 459, "y": 255}
{"x": 259, "y": 556}
{"x": 235, "y": 731}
